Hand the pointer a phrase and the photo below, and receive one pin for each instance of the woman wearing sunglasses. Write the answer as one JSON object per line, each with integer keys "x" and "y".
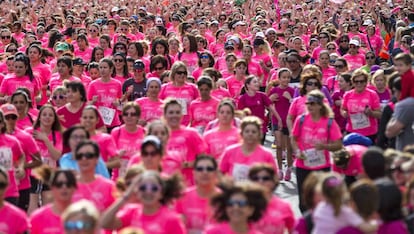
{"x": 62, "y": 184}
{"x": 81, "y": 217}
{"x": 236, "y": 208}
{"x": 152, "y": 215}
{"x": 194, "y": 205}
{"x": 93, "y": 187}
{"x": 361, "y": 107}
{"x": 272, "y": 222}
{"x": 13, "y": 219}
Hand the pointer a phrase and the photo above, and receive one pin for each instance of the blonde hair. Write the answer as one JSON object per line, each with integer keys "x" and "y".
{"x": 84, "y": 207}
{"x": 326, "y": 111}
{"x": 378, "y": 73}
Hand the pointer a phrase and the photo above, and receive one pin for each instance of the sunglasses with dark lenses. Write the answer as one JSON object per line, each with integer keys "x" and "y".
{"x": 119, "y": 48}
{"x": 311, "y": 103}
{"x": 359, "y": 81}
{"x": 404, "y": 42}
{"x": 261, "y": 178}
{"x": 239, "y": 203}
{"x": 344, "y": 41}
{"x": 78, "y": 225}
{"x": 59, "y": 184}
{"x": 3, "y": 185}
{"x": 204, "y": 56}
{"x": 181, "y": 72}
{"x": 353, "y": 25}
{"x": 150, "y": 154}
{"x": 118, "y": 60}
{"x": 130, "y": 114}
{"x": 291, "y": 61}
{"x": 370, "y": 57}
{"x": 310, "y": 83}
{"x": 331, "y": 48}
{"x": 158, "y": 68}
{"x": 79, "y": 156}
{"x": 5, "y": 37}
{"x": 11, "y": 50}
{"x": 10, "y": 117}
{"x": 149, "y": 188}
{"x": 55, "y": 97}
{"x": 396, "y": 169}
{"x": 339, "y": 66}
{"x": 207, "y": 169}
{"x": 93, "y": 30}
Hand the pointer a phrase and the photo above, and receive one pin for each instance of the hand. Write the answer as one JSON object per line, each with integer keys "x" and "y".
{"x": 280, "y": 124}
{"x": 287, "y": 95}
{"x": 94, "y": 99}
{"x": 19, "y": 173}
{"x": 274, "y": 97}
{"x": 320, "y": 146}
{"x": 40, "y": 136}
{"x": 130, "y": 89}
{"x": 368, "y": 111}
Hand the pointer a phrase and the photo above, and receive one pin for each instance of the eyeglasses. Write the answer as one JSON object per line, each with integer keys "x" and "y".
{"x": 229, "y": 48}
{"x": 130, "y": 114}
{"x": 344, "y": 41}
{"x": 370, "y": 57}
{"x": 10, "y": 117}
{"x": 55, "y": 97}
{"x": 331, "y": 48}
{"x": 352, "y": 46}
{"x": 353, "y": 25}
{"x": 158, "y": 68}
{"x": 339, "y": 66}
{"x": 118, "y": 60}
{"x": 151, "y": 154}
{"x": 207, "y": 169}
{"x": 311, "y": 103}
{"x": 149, "y": 188}
{"x": 239, "y": 203}
{"x": 93, "y": 30}
{"x": 11, "y": 50}
{"x": 79, "y": 156}
{"x": 181, "y": 72}
{"x": 359, "y": 81}
{"x": 77, "y": 137}
{"x": 3, "y": 185}
{"x": 5, "y": 37}
{"x": 310, "y": 83}
{"x": 291, "y": 61}
{"x": 59, "y": 184}
{"x": 261, "y": 178}
{"x": 78, "y": 225}
{"x": 204, "y": 56}
{"x": 119, "y": 48}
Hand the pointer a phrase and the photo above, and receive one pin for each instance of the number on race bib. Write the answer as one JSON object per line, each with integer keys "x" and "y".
{"x": 6, "y": 158}
{"x": 359, "y": 121}
{"x": 314, "y": 158}
{"x": 240, "y": 172}
{"x": 107, "y": 114}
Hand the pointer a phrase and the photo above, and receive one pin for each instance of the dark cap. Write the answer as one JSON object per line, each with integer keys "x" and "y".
{"x": 78, "y": 61}
{"x": 139, "y": 64}
{"x": 229, "y": 44}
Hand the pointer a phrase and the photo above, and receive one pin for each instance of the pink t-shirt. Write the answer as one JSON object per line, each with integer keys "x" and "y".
{"x": 235, "y": 163}
{"x": 202, "y": 112}
{"x": 217, "y": 140}
{"x": 187, "y": 144}
{"x": 255, "y": 69}
{"x": 56, "y": 81}
{"x": 332, "y": 84}
{"x": 310, "y": 133}
{"x": 189, "y": 59}
{"x": 101, "y": 192}
{"x": 13, "y": 220}
{"x": 225, "y": 228}
{"x": 234, "y": 86}
{"x": 267, "y": 60}
{"x": 108, "y": 93}
{"x": 196, "y": 210}
{"x": 355, "y": 61}
{"x": 355, "y": 103}
{"x": 257, "y": 105}
{"x": 43, "y": 72}
{"x": 150, "y": 110}
{"x": 106, "y": 144}
{"x": 217, "y": 49}
{"x": 26, "y": 122}
{"x": 86, "y": 54}
{"x": 197, "y": 73}
{"x": 45, "y": 221}
{"x": 10, "y": 84}
{"x": 128, "y": 142}
{"x": 184, "y": 95}
{"x": 164, "y": 221}
{"x": 326, "y": 73}
{"x": 282, "y": 104}
{"x": 56, "y": 139}
{"x": 277, "y": 219}
{"x": 10, "y": 152}
{"x": 220, "y": 93}
{"x": 355, "y": 165}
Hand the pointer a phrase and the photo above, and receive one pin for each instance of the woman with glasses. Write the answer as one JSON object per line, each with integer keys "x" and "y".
{"x": 93, "y": 35}
{"x": 341, "y": 66}
{"x": 237, "y": 208}
{"x": 158, "y": 65}
{"x": 47, "y": 134}
{"x": 205, "y": 60}
{"x": 119, "y": 47}
{"x": 370, "y": 61}
{"x": 180, "y": 89}
{"x": 6, "y": 38}
{"x": 312, "y": 146}
{"x": 343, "y": 44}
{"x": 353, "y": 32}
{"x": 128, "y": 137}
{"x": 12, "y": 218}
{"x": 272, "y": 222}
{"x": 327, "y": 70}
{"x": 324, "y": 38}
{"x": 93, "y": 187}
{"x": 23, "y": 77}
{"x": 194, "y": 204}
{"x": 71, "y": 138}
{"x": 152, "y": 215}
{"x": 62, "y": 184}
{"x": 81, "y": 217}
{"x": 361, "y": 107}
{"x": 354, "y": 58}
{"x": 120, "y": 72}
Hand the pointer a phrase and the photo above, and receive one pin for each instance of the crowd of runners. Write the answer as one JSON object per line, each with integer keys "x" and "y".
{"x": 150, "y": 117}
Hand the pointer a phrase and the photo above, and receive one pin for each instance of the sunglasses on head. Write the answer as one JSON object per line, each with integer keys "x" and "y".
{"x": 79, "y": 156}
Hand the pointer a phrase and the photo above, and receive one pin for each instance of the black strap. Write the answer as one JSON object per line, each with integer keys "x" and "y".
{"x": 308, "y": 221}
{"x": 369, "y": 43}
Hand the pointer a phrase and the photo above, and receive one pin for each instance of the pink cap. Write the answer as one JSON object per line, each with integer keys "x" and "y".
{"x": 9, "y": 109}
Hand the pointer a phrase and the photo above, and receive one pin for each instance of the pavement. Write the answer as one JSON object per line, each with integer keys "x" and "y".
{"x": 286, "y": 189}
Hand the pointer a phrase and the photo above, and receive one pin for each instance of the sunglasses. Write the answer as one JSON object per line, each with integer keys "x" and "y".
{"x": 311, "y": 103}
{"x": 10, "y": 117}
{"x": 149, "y": 188}
{"x": 339, "y": 66}
{"x": 93, "y": 30}
{"x": 130, "y": 114}
{"x": 11, "y": 50}
{"x": 3, "y": 185}
{"x": 359, "y": 81}
{"x": 370, "y": 57}
{"x": 239, "y": 203}
{"x": 309, "y": 83}
{"x": 396, "y": 169}
{"x": 79, "y": 156}
{"x": 291, "y": 61}
{"x": 343, "y": 41}
{"x": 181, "y": 72}
{"x": 5, "y": 37}
{"x": 55, "y": 97}
{"x": 119, "y": 48}
{"x": 207, "y": 169}
{"x": 77, "y": 225}
{"x": 118, "y": 60}
{"x": 204, "y": 56}
{"x": 150, "y": 154}
{"x": 331, "y": 48}
{"x": 158, "y": 68}
{"x": 59, "y": 184}
{"x": 261, "y": 178}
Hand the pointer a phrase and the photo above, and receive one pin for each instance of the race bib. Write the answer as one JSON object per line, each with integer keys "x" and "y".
{"x": 107, "y": 114}
{"x": 359, "y": 121}
{"x": 314, "y": 158}
{"x": 183, "y": 104}
{"x": 240, "y": 172}
{"x": 123, "y": 168}
{"x": 6, "y": 158}
{"x": 50, "y": 162}
{"x": 200, "y": 129}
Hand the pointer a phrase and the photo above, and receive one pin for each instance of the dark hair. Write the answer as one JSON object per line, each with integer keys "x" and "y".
{"x": 172, "y": 186}
{"x": 159, "y": 41}
{"x": 24, "y": 94}
{"x": 96, "y": 48}
{"x": 108, "y": 61}
{"x": 77, "y": 86}
{"x": 390, "y": 201}
{"x": 4, "y": 128}
{"x": 156, "y": 60}
{"x": 254, "y": 194}
{"x": 373, "y": 162}
{"x": 49, "y": 176}
{"x": 67, "y": 61}
{"x": 365, "y": 195}
{"x": 193, "y": 43}
{"x": 247, "y": 81}
{"x": 54, "y": 36}
{"x": 21, "y": 57}
{"x": 138, "y": 47}
{"x": 119, "y": 44}
{"x": 347, "y": 77}
{"x": 125, "y": 72}
{"x": 205, "y": 80}
{"x": 94, "y": 145}
{"x": 56, "y": 123}
{"x": 107, "y": 38}
{"x": 258, "y": 167}
{"x": 68, "y": 133}
{"x": 170, "y": 102}
{"x": 83, "y": 37}
{"x": 210, "y": 56}
{"x": 304, "y": 79}
{"x": 92, "y": 108}
{"x": 203, "y": 157}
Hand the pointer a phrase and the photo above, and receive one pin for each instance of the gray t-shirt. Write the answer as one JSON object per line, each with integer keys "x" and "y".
{"x": 404, "y": 113}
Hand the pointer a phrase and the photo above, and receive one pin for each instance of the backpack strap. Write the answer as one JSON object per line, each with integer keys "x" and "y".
{"x": 330, "y": 121}
{"x": 308, "y": 221}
